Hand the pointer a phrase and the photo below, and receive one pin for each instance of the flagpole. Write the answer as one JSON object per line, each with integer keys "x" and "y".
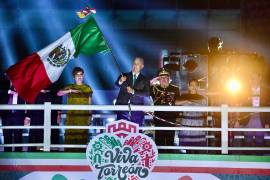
{"x": 107, "y": 44}
{"x": 114, "y": 58}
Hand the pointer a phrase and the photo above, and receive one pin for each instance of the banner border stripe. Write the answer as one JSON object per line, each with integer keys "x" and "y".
{"x": 198, "y": 157}
{"x": 161, "y": 169}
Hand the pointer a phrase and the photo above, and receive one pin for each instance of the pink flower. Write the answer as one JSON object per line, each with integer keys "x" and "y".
{"x": 147, "y": 146}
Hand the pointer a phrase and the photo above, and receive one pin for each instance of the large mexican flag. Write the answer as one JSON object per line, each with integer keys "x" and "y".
{"x": 37, "y": 71}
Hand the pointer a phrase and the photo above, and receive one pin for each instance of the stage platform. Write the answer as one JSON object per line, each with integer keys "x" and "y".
{"x": 56, "y": 166}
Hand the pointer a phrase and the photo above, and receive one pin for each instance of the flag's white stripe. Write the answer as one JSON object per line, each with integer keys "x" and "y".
{"x": 54, "y": 72}
{"x": 168, "y": 163}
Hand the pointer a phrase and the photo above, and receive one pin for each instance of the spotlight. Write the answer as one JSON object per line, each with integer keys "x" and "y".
{"x": 190, "y": 65}
{"x": 233, "y": 85}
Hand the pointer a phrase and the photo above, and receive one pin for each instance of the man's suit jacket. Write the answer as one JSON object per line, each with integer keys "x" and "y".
{"x": 141, "y": 87}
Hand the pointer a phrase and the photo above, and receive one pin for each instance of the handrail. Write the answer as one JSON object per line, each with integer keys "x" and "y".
{"x": 111, "y": 107}
{"x": 134, "y": 108}
{"x": 224, "y": 109}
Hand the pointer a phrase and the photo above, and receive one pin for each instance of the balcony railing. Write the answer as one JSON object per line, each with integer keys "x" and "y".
{"x": 223, "y": 109}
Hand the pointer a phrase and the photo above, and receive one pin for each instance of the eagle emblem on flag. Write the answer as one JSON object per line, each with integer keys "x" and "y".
{"x": 59, "y": 56}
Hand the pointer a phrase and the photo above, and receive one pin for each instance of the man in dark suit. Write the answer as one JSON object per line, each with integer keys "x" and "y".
{"x": 37, "y": 118}
{"x": 133, "y": 88}
{"x": 13, "y": 118}
{"x": 4, "y": 89}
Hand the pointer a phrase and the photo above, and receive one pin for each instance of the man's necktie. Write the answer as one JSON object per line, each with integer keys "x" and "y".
{"x": 134, "y": 79}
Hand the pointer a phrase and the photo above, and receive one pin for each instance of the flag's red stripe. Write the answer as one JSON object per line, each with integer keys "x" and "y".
{"x": 29, "y": 77}
{"x": 163, "y": 169}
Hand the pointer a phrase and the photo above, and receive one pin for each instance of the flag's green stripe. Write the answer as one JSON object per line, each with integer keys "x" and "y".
{"x": 88, "y": 38}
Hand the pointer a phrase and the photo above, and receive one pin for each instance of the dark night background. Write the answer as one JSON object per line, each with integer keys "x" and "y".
{"x": 133, "y": 28}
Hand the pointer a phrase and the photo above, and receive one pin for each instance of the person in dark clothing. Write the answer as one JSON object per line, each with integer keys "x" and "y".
{"x": 37, "y": 119}
{"x": 133, "y": 88}
{"x": 164, "y": 93}
{"x": 4, "y": 89}
{"x": 192, "y": 119}
{"x": 13, "y": 118}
